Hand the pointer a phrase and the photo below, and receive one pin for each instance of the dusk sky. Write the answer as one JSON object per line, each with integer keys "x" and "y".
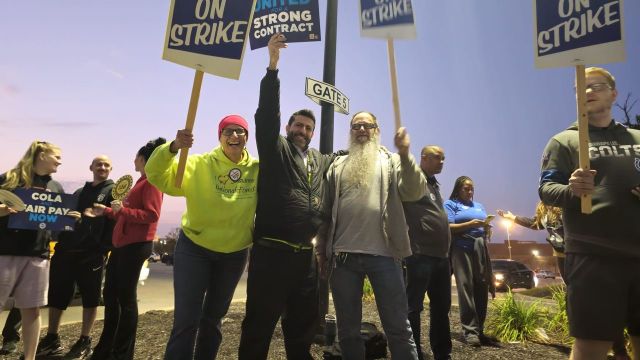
{"x": 88, "y": 76}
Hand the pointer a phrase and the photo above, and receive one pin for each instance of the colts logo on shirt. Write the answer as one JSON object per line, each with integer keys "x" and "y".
{"x": 636, "y": 162}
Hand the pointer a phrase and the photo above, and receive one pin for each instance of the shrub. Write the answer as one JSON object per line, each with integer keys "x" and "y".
{"x": 513, "y": 320}
{"x": 557, "y": 324}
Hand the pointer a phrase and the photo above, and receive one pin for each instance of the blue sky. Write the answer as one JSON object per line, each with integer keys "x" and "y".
{"x": 89, "y": 77}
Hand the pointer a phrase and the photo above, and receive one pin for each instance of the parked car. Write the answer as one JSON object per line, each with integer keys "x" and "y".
{"x": 511, "y": 274}
{"x": 545, "y": 274}
{"x": 154, "y": 257}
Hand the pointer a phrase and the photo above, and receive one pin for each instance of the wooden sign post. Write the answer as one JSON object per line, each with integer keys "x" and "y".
{"x": 398, "y": 26}
{"x": 191, "y": 40}
{"x": 562, "y": 39}
{"x": 191, "y": 120}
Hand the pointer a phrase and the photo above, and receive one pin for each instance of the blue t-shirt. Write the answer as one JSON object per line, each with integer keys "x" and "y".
{"x": 459, "y": 212}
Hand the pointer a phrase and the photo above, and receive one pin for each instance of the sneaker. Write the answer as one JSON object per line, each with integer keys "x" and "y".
{"x": 49, "y": 346}
{"x": 80, "y": 350}
{"x": 472, "y": 340}
{"x": 9, "y": 347}
{"x": 489, "y": 341}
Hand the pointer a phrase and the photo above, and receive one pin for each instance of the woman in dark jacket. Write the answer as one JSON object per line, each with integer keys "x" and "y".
{"x": 136, "y": 223}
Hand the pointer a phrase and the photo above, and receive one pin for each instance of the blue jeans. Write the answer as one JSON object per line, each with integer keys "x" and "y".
{"x": 204, "y": 282}
{"x": 430, "y": 275}
{"x": 385, "y": 275}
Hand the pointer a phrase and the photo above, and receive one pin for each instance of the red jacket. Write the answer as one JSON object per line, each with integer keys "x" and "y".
{"x": 137, "y": 221}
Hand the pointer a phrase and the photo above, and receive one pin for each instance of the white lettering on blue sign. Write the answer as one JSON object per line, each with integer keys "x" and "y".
{"x": 577, "y": 25}
{"x": 385, "y": 11}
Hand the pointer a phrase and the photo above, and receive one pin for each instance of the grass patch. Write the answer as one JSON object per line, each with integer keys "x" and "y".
{"x": 515, "y": 321}
{"x": 557, "y": 323}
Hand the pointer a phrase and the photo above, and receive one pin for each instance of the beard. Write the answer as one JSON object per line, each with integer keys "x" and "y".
{"x": 298, "y": 140}
{"x": 360, "y": 166}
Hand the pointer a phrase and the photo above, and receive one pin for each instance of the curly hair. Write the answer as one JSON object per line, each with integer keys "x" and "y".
{"x": 553, "y": 214}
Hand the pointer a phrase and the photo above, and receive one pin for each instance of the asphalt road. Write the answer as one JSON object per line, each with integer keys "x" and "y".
{"x": 156, "y": 293}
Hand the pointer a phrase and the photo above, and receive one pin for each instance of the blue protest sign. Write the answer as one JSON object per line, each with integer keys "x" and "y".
{"x": 298, "y": 20}
{"x": 578, "y": 32}
{"x": 44, "y": 210}
{"x": 208, "y": 35}
{"x": 387, "y": 19}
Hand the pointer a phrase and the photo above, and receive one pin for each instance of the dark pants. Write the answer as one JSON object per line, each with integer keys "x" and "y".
{"x": 430, "y": 275}
{"x": 204, "y": 282}
{"x": 69, "y": 269}
{"x": 473, "y": 291}
{"x": 118, "y": 337}
{"x": 11, "y": 329}
{"x": 280, "y": 282}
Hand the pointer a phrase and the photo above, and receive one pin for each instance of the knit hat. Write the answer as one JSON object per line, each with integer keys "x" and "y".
{"x": 233, "y": 120}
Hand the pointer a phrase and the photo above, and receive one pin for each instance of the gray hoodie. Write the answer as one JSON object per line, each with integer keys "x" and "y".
{"x": 612, "y": 229}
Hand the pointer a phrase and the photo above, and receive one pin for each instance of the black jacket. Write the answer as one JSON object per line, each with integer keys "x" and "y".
{"x": 428, "y": 223}
{"x": 18, "y": 242}
{"x": 90, "y": 234}
{"x": 289, "y": 194}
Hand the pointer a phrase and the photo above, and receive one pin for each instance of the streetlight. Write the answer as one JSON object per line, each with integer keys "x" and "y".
{"x": 507, "y": 224}
{"x": 535, "y": 253}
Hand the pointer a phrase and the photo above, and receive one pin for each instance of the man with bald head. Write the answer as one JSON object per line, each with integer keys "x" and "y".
{"x": 79, "y": 259}
{"x": 428, "y": 269}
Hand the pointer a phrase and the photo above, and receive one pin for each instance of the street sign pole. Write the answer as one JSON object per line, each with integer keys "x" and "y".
{"x": 326, "y": 130}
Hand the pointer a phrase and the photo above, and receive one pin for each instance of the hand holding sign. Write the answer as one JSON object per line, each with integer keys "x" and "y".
{"x": 183, "y": 140}
{"x": 581, "y": 182}
{"x": 74, "y": 214}
{"x": 12, "y": 202}
{"x": 5, "y": 210}
{"x": 276, "y": 43}
{"x": 122, "y": 187}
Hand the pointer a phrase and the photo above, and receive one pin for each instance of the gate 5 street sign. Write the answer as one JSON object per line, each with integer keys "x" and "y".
{"x": 319, "y": 91}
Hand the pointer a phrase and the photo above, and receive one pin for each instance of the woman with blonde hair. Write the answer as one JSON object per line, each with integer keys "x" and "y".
{"x": 24, "y": 254}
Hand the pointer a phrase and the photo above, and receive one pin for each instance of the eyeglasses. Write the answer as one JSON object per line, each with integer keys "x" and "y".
{"x": 230, "y": 131}
{"x": 367, "y": 126}
{"x": 596, "y": 87}
{"x": 433, "y": 156}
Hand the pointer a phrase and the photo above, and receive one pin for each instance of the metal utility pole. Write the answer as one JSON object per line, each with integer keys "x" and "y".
{"x": 326, "y": 129}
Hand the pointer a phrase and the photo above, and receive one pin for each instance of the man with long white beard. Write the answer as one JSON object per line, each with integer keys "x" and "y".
{"x": 367, "y": 234}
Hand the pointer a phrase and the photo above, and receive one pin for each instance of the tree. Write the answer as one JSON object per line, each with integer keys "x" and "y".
{"x": 626, "y": 109}
{"x": 168, "y": 242}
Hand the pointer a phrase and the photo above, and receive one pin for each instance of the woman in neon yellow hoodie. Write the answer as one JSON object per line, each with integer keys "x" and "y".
{"x": 217, "y": 230}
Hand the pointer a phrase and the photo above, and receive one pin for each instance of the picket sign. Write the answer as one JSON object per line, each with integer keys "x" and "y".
{"x": 576, "y": 33}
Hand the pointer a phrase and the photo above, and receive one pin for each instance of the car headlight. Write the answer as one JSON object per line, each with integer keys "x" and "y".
{"x": 499, "y": 277}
